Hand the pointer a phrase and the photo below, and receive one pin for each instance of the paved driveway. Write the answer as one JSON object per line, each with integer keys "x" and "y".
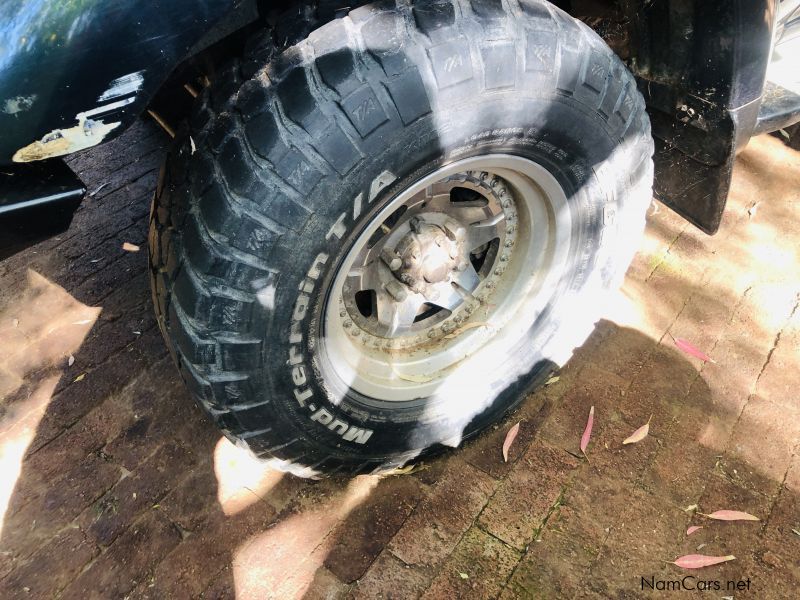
{"x": 113, "y": 484}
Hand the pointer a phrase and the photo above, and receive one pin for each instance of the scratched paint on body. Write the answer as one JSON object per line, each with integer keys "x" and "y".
{"x": 89, "y": 131}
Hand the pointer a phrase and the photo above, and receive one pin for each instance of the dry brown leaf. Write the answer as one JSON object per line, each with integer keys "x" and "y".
{"x": 510, "y": 437}
{"x": 731, "y": 515}
{"x": 128, "y": 247}
{"x": 698, "y": 561}
{"x": 639, "y": 434}
{"x": 587, "y": 432}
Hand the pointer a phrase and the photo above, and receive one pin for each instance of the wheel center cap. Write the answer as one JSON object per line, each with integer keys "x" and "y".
{"x": 429, "y": 253}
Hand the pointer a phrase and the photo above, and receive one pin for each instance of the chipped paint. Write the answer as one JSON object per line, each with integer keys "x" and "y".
{"x": 88, "y": 132}
{"x": 123, "y": 86}
{"x": 12, "y": 106}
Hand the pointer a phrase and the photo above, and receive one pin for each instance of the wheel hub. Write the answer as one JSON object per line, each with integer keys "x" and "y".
{"x": 453, "y": 267}
{"x": 429, "y": 265}
{"x": 428, "y": 253}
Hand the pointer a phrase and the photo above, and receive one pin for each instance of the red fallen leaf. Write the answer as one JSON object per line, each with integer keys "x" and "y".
{"x": 693, "y": 528}
{"x": 639, "y": 434}
{"x": 692, "y": 350}
{"x": 587, "y": 433}
{"x": 698, "y": 561}
{"x": 731, "y": 515}
{"x": 510, "y": 437}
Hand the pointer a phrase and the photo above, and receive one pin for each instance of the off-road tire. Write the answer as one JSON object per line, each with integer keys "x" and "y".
{"x": 286, "y": 162}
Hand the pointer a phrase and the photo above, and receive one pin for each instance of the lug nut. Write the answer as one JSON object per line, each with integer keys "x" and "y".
{"x": 391, "y": 259}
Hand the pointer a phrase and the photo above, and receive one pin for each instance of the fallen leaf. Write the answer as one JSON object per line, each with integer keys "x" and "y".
{"x": 698, "y": 561}
{"x": 587, "y": 433}
{"x": 79, "y": 378}
{"x": 552, "y": 380}
{"x": 510, "y": 437}
{"x": 94, "y": 193}
{"x": 463, "y": 576}
{"x": 639, "y": 434}
{"x": 731, "y": 515}
{"x": 128, "y": 247}
{"x": 70, "y": 360}
{"x": 693, "y": 528}
{"x": 691, "y": 350}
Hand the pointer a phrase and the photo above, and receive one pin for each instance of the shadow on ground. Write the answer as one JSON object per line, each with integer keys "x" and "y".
{"x": 115, "y": 485}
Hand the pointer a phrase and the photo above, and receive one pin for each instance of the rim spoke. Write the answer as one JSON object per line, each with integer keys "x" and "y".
{"x": 365, "y": 278}
{"x": 468, "y": 279}
{"x": 392, "y": 315}
{"x": 483, "y": 232}
{"x": 448, "y": 296}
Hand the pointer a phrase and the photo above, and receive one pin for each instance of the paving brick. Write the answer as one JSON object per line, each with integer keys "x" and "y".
{"x": 325, "y": 586}
{"x": 139, "y": 492}
{"x": 673, "y": 474}
{"x": 51, "y": 568}
{"x": 64, "y": 498}
{"x": 295, "y": 546}
{"x": 525, "y": 498}
{"x": 389, "y": 578}
{"x": 733, "y": 537}
{"x": 439, "y": 521}
{"x": 766, "y": 436}
{"x": 128, "y": 562}
{"x": 647, "y": 533}
{"x": 370, "y": 526}
{"x": 196, "y": 562}
{"x": 478, "y": 567}
{"x": 554, "y": 567}
{"x": 193, "y": 501}
{"x": 596, "y": 387}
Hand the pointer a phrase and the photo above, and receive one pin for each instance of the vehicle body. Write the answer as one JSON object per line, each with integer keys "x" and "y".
{"x": 300, "y": 108}
{"x": 75, "y": 74}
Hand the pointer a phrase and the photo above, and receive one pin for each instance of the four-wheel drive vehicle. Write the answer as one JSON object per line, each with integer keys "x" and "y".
{"x": 381, "y": 225}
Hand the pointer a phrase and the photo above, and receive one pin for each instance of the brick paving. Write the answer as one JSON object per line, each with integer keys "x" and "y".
{"x": 115, "y": 486}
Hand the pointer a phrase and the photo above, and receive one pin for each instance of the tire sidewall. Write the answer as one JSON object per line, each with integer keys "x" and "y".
{"x": 558, "y": 133}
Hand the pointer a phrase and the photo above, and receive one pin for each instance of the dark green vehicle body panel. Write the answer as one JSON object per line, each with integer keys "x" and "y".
{"x": 88, "y": 64}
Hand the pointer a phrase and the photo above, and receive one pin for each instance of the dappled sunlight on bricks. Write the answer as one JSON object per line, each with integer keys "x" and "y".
{"x": 296, "y": 545}
{"x": 40, "y": 328}
{"x": 16, "y": 433}
{"x": 242, "y": 479}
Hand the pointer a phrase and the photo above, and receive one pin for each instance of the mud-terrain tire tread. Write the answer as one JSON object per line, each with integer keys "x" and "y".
{"x": 208, "y": 241}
